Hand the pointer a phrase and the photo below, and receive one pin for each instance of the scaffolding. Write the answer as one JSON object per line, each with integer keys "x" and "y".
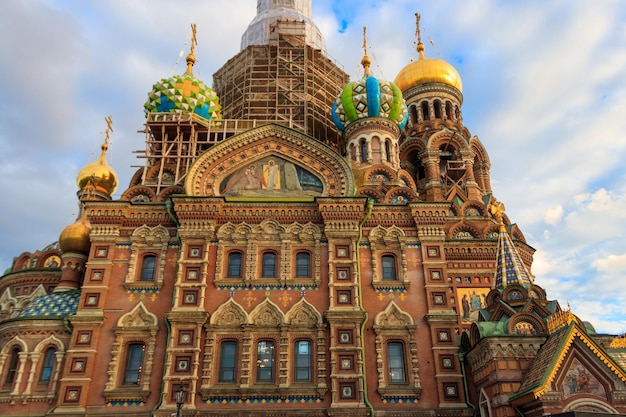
{"x": 286, "y": 81}
{"x": 175, "y": 140}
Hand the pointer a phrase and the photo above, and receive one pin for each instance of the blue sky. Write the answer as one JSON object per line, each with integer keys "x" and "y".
{"x": 544, "y": 87}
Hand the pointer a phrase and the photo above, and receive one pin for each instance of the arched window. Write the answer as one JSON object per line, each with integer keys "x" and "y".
{"x": 265, "y": 361}
{"x": 414, "y": 118}
{"x": 303, "y": 265}
{"x": 134, "y": 363}
{"x": 48, "y": 365}
{"x": 234, "y": 264}
{"x": 448, "y": 110}
{"x": 388, "y": 150}
{"x": 389, "y": 267}
{"x": 425, "y": 113}
{"x": 228, "y": 361}
{"x": 363, "y": 150}
{"x": 147, "y": 268}
{"x": 302, "y": 362}
{"x": 269, "y": 265}
{"x": 14, "y": 361}
{"x": 395, "y": 362}
{"x": 437, "y": 109}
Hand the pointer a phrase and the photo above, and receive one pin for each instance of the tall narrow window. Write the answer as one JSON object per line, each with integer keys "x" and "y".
{"x": 269, "y": 265}
{"x": 389, "y": 268}
{"x": 363, "y": 151}
{"x": 387, "y": 151}
{"x": 265, "y": 361}
{"x": 437, "y": 107}
{"x": 13, "y": 363}
{"x": 47, "y": 365}
{"x": 395, "y": 357}
{"x": 303, "y": 265}
{"x": 303, "y": 361}
{"x": 134, "y": 363}
{"x": 147, "y": 268}
{"x": 234, "y": 265}
{"x": 228, "y": 361}
{"x": 425, "y": 113}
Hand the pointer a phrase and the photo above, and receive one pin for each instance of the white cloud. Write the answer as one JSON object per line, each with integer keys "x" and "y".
{"x": 553, "y": 215}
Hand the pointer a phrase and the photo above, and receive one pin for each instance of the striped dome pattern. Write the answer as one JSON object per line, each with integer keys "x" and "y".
{"x": 369, "y": 97}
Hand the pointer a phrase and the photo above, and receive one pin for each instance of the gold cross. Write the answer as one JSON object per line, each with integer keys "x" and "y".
{"x": 109, "y": 128}
{"x": 194, "y": 41}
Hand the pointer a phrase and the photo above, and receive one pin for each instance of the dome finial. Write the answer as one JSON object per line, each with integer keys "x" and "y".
{"x": 418, "y": 35}
{"x": 366, "y": 61}
{"x": 191, "y": 58}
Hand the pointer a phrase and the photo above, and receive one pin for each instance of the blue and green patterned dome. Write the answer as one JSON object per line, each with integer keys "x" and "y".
{"x": 369, "y": 97}
{"x": 184, "y": 93}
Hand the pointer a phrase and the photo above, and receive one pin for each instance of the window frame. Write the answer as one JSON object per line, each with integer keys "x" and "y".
{"x": 129, "y": 360}
{"x": 308, "y": 357}
{"x": 399, "y": 367}
{"x": 385, "y": 269}
{"x": 143, "y": 276}
{"x": 229, "y": 264}
{"x": 265, "y": 268}
{"x": 222, "y": 367}
{"x": 261, "y": 370}
{"x": 47, "y": 365}
{"x": 13, "y": 366}
{"x": 300, "y": 269}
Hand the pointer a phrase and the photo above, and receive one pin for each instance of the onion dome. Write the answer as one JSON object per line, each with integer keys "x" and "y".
{"x": 369, "y": 97}
{"x": 75, "y": 237}
{"x": 427, "y": 70}
{"x": 98, "y": 176}
{"x": 184, "y": 93}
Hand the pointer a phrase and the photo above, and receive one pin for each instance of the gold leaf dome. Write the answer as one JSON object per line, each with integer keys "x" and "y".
{"x": 75, "y": 237}
{"x": 427, "y": 70}
{"x": 98, "y": 176}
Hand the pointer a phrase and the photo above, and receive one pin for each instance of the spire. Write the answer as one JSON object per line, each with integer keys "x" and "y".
{"x": 418, "y": 35}
{"x": 366, "y": 61}
{"x": 191, "y": 58}
{"x": 509, "y": 266}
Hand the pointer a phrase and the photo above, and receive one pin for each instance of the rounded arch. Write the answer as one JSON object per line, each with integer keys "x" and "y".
{"x": 589, "y": 405}
{"x": 168, "y": 192}
{"x": 447, "y": 139}
{"x": 211, "y": 169}
{"x": 473, "y": 209}
{"x": 526, "y": 324}
{"x": 400, "y": 196}
{"x": 407, "y": 178}
{"x": 371, "y": 174}
{"x": 371, "y": 193}
{"x": 138, "y": 194}
{"x": 463, "y": 228}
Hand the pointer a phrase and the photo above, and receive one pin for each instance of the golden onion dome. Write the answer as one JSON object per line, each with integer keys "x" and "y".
{"x": 98, "y": 176}
{"x": 427, "y": 70}
{"x": 75, "y": 237}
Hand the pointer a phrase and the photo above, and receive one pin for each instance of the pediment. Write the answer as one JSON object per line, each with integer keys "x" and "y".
{"x": 270, "y": 161}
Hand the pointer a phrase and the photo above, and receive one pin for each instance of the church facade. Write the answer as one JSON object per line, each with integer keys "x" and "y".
{"x": 297, "y": 243}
